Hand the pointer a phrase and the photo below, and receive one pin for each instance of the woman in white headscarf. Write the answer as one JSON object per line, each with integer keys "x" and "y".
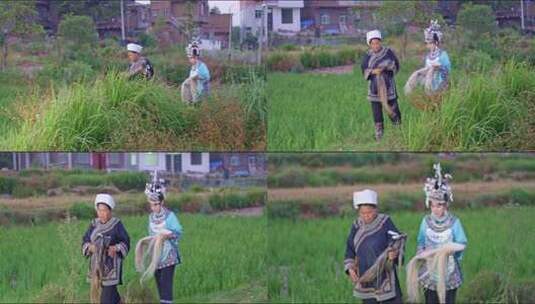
{"x": 106, "y": 244}
{"x": 379, "y": 67}
{"x": 374, "y": 249}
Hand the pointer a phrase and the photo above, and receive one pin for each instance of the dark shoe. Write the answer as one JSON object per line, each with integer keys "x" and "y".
{"x": 378, "y": 131}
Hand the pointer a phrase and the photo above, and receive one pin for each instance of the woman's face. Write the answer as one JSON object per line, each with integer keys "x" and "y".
{"x": 155, "y": 207}
{"x": 367, "y": 213}
{"x": 438, "y": 208}
{"x": 103, "y": 213}
{"x": 192, "y": 60}
{"x": 375, "y": 45}
{"x": 132, "y": 56}
{"x": 430, "y": 46}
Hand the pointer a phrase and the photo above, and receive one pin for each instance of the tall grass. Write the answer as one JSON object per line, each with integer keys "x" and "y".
{"x": 113, "y": 112}
{"x": 305, "y": 258}
{"x": 50, "y": 268}
{"x": 485, "y": 111}
{"x": 488, "y": 112}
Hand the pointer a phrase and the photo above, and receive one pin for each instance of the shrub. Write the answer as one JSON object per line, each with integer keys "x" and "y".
{"x": 82, "y": 210}
{"x": 7, "y": 184}
{"x": 82, "y": 180}
{"x": 283, "y": 209}
{"x": 22, "y": 191}
{"x": 282, "y": 62}
{"x": 128, "y": 180}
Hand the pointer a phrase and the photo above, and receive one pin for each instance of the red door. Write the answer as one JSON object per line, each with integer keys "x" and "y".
{"x": 99, "y": 161}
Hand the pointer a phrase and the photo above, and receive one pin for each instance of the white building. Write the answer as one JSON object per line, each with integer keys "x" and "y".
{"x": 284, "y": 17}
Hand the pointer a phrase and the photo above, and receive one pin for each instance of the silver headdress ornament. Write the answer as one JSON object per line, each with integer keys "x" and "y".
{"x": 193, "y": 49}
{"x": 437, "y": 187}
{"x": 433, "y": 33}
{"x": 155, "y": 190}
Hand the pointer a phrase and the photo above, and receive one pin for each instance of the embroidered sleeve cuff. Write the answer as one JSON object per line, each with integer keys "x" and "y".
{"x": 85, "y": 249}
{"x": 349, "y": 264}
{"x": 121, "y": 247}
{"x": 419, "y": 249}
{"x": 367, "y": 73}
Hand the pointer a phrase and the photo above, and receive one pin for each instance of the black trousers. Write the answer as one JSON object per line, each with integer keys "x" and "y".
{"x": 110, "y": 295}
{"x": 431, "y": 296}
{"x": 377, "y": 109}
{"x": 164, "y": 282}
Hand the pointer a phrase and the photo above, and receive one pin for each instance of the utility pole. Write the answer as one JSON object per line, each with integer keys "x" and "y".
{"x": 522, "y": 15}
{"x": 123, "y": 36}
{"x": 261, "y": 35}
{"x": 230, "y": 39}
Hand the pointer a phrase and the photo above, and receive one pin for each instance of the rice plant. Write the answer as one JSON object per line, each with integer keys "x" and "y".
{"x": 50, "y": 268}
{"x": 485, "y": 111}
{"x": 305, "y": 258}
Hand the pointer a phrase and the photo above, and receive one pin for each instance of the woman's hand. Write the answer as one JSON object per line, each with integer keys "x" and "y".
{"x": 92, "y": 248}
{"x": 392, "y": 254}
{"x": 112, "y": 251}
{"x": 377, "y": 71}
{"x": 353, "y": 275}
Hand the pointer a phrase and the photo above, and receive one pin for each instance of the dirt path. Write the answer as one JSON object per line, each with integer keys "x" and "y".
{"x": 460, "y": 189}
{"x": 245, "y": 212}
{"x": 343, "y": 69}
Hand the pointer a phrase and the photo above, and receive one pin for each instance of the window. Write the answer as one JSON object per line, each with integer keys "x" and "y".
{"x": 252, "y": 161}
{"x": 325, "y": 19}
{"x": 196, "y": 158}
{"x": 258, "y": 14}
{"x": 115, "y": 160}
{"x": 287, "y": 15}
{"x": 234, "y": 160}
{"x": 357, "y": 15}
{"x": 81, "y": 159}
{"x": 150, "y": 159}
{"x": 133, "y": 159}
{"x": 342, "y": 19}
{"x": 58, "y": 158}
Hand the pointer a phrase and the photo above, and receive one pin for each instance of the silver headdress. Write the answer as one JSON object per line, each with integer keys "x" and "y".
{"x": 155, "y": 190}
{"x": 437, "y": 187}
{"x": 433, "y": 33}
{"x": 193, "y": 49}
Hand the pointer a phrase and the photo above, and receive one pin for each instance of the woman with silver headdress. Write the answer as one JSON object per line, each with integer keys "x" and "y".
{"x": 379, "y": 67}
{"x": 374, "y": 249}
{"x": 435, "y": 75}
{"x": 197, "y": 85}
{"x": 160, "y": 248}
{"x": 440, "y": 245}
{"x": 106, "y": 244}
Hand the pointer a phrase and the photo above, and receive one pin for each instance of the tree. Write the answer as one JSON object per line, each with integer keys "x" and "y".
{"x": 78, "y": 36}
{"x": 475, "y": 22}
{"x": 17, "y": 18}
{"x": 96, "y": 9}
{"x": 396, "y": 16}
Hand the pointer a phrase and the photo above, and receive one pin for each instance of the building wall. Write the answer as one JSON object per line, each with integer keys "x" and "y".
{"x": 286, "y": 29}
{"x": 187, "y": 165}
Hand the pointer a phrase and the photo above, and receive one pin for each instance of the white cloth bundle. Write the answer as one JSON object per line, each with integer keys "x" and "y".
{"x": 149, "y": 249}
{"x": 423, "y": 77}
{"x": 436, "y": 260}
{"x": 189, "y": 90}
